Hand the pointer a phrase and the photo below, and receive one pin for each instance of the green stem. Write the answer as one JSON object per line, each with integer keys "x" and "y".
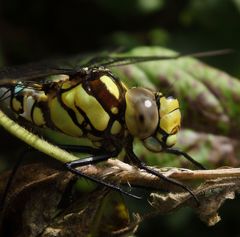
{"x": 35, "y": 141}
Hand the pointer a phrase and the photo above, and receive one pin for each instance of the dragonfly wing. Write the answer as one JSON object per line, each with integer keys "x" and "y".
{"x": 33, "y": 71}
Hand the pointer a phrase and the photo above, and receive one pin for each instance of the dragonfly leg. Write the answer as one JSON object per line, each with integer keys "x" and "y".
{"x": 150, "y": 170}
{"x": 71, "y": 166}
{"x": 186, "y": 156}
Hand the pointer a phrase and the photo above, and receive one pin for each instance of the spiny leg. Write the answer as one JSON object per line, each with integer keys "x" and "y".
{"x": 93, "y": 160}
{"x": 98, "y": 156}
{"x": 143, "y": 166}
{"x": 185, "y": 155}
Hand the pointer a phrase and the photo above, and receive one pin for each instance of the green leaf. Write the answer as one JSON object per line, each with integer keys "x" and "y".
{"x": 209, "y": 98}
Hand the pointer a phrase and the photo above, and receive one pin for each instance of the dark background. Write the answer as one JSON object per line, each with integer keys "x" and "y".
{"x": 35, "y": 30}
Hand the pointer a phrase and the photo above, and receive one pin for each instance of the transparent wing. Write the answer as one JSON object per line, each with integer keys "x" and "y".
{"x": 33, "y": 71}
{"x": 36, "y": 71}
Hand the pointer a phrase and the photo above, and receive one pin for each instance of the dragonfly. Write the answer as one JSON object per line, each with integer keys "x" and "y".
{"x": 91, "y": 103}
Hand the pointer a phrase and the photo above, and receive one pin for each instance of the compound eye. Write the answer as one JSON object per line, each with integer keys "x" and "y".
{"x": 152, "y": 144}
{"x": 141, "y": 112}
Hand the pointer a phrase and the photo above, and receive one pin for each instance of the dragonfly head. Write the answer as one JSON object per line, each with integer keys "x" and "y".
{"x": 153, "y": 118}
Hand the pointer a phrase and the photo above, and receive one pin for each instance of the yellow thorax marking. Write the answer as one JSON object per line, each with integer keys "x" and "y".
{"x": 98, "y": 117}
{"x": 62, "y": 120}
{"x": 68, "y": 99}
{"x": 16, "y": 104}
{"x": 111, "y": 86}
{"x": 116, "y": 127}
{"x": 38, "y": 118}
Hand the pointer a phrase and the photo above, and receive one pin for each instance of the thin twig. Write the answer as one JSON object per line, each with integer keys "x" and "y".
{"x": 118, "y": 171}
